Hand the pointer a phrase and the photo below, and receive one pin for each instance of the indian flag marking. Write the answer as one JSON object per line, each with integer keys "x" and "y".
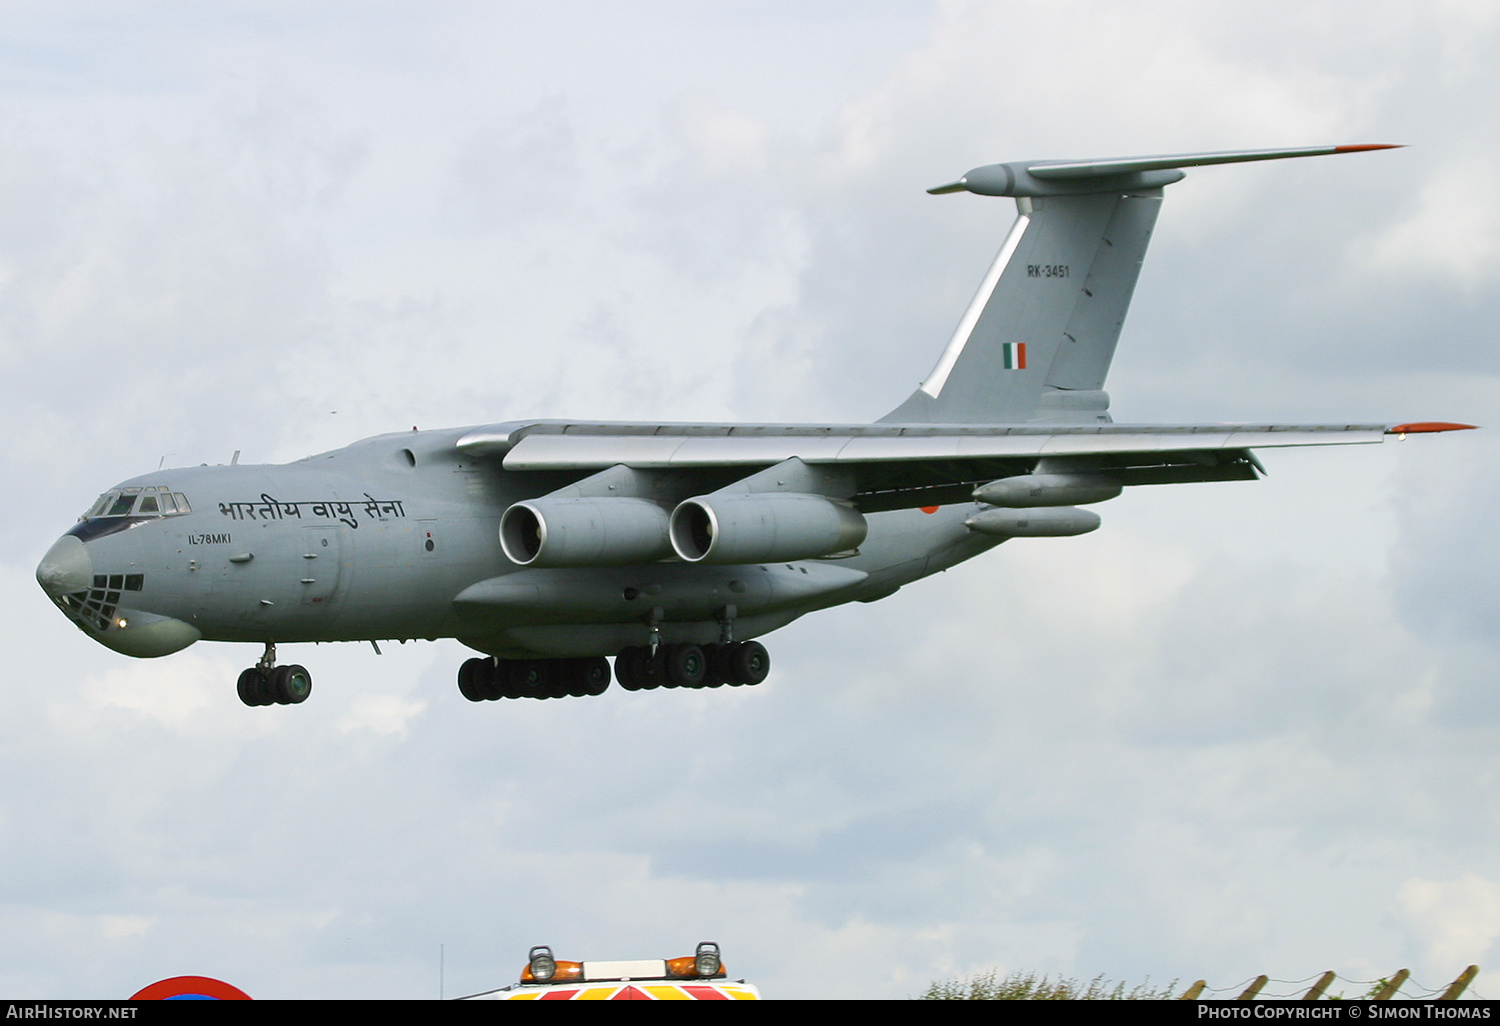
{"x": 1015, "y": 355}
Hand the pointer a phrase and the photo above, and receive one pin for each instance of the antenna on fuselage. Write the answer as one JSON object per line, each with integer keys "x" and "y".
{"x": 234, "y": 460}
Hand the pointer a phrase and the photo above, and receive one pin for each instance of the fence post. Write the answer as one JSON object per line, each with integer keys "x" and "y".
{"x": 1461, "y": 984}
{"x": 1392, "y": 985}
{"x": 1319, "y": 987}
{"x": 1254, "y": 988}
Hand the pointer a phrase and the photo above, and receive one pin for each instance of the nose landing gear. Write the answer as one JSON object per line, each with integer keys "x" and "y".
{"x": 265, "y": 683}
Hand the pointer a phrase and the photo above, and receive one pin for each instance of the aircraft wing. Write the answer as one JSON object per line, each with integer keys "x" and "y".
{"x": 896, "y": 466}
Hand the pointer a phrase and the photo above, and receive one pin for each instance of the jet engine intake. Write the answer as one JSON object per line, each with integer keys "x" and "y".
{"x": 585, "y": 532}
{"x": 762, "y": 527}
{"x": 1049, "y": 490}
{"x": 1054, "y": 522}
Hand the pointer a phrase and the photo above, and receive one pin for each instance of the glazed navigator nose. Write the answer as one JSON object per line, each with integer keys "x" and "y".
{"x": 65, "y": 568}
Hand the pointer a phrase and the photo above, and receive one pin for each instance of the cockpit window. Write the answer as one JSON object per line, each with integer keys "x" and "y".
{"x": 151, "y": 501}
{"x": 121, "y": 506}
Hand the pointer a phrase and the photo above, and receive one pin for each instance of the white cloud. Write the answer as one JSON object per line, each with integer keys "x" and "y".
{"x": 1457, "y": 920}
{"x": 1452, "y": 237}
{"x": 388, "y": 715}
{"x": 175, "y": 692}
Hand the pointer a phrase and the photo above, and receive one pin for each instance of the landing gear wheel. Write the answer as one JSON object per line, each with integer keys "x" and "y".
{"x": 491, "y": 680}
{"x": 642, "y": 671}
{"x": 532, "y": 678}
{"x": 748, "y": 662}
{"x": 506, "y": 679}
{"x": 717, "y": 674}
{"x": 567, "y": 679}
{"x": 474, "y": 679}
{"x": 685, "y": 666}
{"x": 290, "y": 685}
{"x": 253, "y": 688}
{"x": 625, "y": 673}
{"x": 596, "y": 675}
{"x": 586, "y": 676}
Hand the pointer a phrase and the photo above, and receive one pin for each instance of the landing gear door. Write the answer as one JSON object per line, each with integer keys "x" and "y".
{"x": 322, "y": 565}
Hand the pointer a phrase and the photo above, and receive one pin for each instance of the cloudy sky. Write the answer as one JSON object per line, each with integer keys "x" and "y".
{"x": 1242, "y": 728}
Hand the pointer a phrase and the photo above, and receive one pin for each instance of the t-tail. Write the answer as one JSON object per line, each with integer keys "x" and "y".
{"x": 1035, "y": 344}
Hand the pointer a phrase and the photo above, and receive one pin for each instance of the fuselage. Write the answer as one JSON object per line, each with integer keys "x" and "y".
{"x": 396, "y": 537}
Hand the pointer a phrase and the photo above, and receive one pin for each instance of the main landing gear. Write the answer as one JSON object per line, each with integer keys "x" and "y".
{"x": 484, "y": 680}
{"x": 265, "y": 683}
{"x": 636, "y": 668}
{"x": 692, "y": 666}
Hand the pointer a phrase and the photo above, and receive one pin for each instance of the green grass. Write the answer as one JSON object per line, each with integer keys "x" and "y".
{"x": 991, "y": 986}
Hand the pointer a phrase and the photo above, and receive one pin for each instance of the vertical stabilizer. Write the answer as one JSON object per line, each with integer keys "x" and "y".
{"x": 1035, "y": 343}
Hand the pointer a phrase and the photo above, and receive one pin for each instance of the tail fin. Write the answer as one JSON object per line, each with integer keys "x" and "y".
{"x": 1036, "y": 341}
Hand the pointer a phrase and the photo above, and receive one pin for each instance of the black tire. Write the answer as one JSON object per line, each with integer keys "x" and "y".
{"x": 251, "y": 687}
{"x": 503, "y": 679}
{"x": 749, "y": 662}
{"x": 491, "y": 680}
{"x": 290, "y": 685}
{"x": 595, "y": 674}
{"x": 532, "y": 678}
{"x": 624, "y": 669}
{"x": 473, "y": 679}
{"x": 643, "y": 668}
{"x": 567, "y": 679}
{"x": 718, "y": 666}
{"x": 686, "y": 666}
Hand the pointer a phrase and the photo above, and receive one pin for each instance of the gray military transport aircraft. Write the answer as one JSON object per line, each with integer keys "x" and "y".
{"x": 549, "y": 545}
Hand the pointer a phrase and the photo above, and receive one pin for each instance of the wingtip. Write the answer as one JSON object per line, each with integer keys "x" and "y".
{"x": 1426, "y": 427}
{"x": 1360, "y": 147}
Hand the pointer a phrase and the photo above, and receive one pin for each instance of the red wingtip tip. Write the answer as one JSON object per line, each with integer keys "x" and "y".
{"x": 1423, "y": 427}
{"x": 1368, "y": 146}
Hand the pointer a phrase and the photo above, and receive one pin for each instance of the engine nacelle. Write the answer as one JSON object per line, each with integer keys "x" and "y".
{"x": 585, "y": 532}
{"x": 1031, "y": 490}
{"x": 1053, "y": 522}
{"x": 764, "y": 527}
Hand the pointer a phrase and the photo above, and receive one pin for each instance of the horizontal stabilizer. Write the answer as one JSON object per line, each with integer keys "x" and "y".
{"x": 1132, "y": 165}
{"x": 1050, "y": 177}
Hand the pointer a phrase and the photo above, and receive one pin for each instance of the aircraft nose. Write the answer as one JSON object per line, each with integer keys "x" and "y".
{"x": 65, "y": 568}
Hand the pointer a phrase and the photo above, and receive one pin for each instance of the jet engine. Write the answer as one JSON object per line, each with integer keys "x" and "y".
{"x": 764, "y": 527}
{"x": 562, "y": 532}
{"x": 1049, "y": 490}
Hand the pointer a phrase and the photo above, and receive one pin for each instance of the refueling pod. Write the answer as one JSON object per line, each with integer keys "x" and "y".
{"x": 1030, "y": 490}
{"x": 764, "y": 527}
{"x": 1050, "y": 522}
